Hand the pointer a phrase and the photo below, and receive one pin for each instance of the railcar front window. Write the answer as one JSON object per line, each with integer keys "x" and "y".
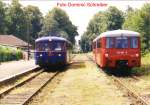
{"x": 109, "y": 42}
{"x": 42, "y": 46}
{"x": 46, "y": 47}
{"x": 121, "y": 42}
{"x": 58, "y": 46}
{"x": 134, "y": 42}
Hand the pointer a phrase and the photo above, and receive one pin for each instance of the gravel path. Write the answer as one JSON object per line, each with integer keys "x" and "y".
{"x": 83, "y": 84}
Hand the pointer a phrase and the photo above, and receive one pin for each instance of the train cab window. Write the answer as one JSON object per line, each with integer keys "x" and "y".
{"x": 133, "y": 42}
{"x": 121, "y": 42}
{"x": 46, "y": 47}
{"x": 58, "y": 46}
{"x": 109, "y": 42}
{"x": 42, "y": 46}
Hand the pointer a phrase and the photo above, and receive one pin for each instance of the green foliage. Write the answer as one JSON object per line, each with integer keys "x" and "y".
{"x": 139, "y": 20}
{"x": 35, "y": 20}
{"x": 9, "y": 54}
{"x": 57, "y": 23}
{"x": 114, "y": 18}
{"x": 16, "y": 19}
{"x": 85, "y": 44}
{"x": 111, "y": 19}
{"x": 23, "y": 21}
{"x": 3, "y": 27}
{"x": 144, "y": 69}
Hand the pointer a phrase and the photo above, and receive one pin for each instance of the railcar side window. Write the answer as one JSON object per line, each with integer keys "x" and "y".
{"x": 98, "y": 43}
{"x": 121, "y": 42}
{"x": 94, "y": 45}
{"x": 109, "y": 42}
{"x": 134, "y": 42}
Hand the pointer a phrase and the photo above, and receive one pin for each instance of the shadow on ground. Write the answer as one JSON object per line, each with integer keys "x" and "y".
{"x": 77, "y": 65}
{"x": 55, "y": 68}
{"x": 125, "y": 72}
{"x": 73, "y": 65}
{"x": 119, "y": 72}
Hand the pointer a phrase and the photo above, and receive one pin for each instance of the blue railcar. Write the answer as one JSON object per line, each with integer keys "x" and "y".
{"x": 51, "y": 51}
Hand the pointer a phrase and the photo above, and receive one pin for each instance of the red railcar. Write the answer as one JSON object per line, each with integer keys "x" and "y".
{"x": 117, "y": 48}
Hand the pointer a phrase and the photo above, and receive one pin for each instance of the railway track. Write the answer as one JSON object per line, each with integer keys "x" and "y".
{"x": 27, "y": 88}
{"x": 22, "y": 93}
{"x": 5, "y": 89}
{"x": 140, "y": 100}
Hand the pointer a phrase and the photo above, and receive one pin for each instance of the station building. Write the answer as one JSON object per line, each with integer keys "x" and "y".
{"x": 13, "y": 41}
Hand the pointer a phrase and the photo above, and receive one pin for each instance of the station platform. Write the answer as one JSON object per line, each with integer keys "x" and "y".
{"x": 8, "y": 69}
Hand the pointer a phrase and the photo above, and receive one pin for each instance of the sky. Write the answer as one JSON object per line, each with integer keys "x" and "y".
{"x": 81, "y": 15}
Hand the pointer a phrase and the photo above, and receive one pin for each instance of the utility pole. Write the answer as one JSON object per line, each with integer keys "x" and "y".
{"x": 28, "y": 35}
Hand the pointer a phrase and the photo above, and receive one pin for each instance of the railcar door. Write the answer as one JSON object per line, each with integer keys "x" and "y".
{"x": 98, "y": 51}
{"x": 94, "y": 50}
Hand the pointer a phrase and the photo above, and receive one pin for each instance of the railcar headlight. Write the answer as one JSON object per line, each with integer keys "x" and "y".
{"x": 40, "y": 55}
{"x": 59, "y": 55}
{"x": 50, "y": 39}
{"x": 106, "y": 55}
{"x": 137, "y": 55}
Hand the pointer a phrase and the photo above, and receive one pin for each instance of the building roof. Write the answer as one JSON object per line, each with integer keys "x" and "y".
{"x": 116, "y": 33}
{"x": 12, "y": 41}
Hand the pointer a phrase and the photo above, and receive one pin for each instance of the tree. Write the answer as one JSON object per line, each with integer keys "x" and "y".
{"x": 3, "y": 27}
{"x": 111, "y": 19}
{"x": 85, "y": 44}
{"x": 145, "y": 24}
{"x": 114, "y": 18}
{"x": 57, "y": 23}
{"x": 139, "y": 20}
{"x": 35, "y": 21}
{"x": 16, "y": 20}
{"x": 96, "y": 26}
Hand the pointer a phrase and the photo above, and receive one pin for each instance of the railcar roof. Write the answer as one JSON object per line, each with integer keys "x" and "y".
{"x": 116, "y": 33}
{"x": 50, "y": 38}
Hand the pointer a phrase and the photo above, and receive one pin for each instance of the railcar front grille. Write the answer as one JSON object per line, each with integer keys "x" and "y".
{"x": 122, "y": 62}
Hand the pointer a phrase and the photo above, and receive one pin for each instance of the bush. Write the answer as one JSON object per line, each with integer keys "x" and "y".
{"x": 9, "y": 54}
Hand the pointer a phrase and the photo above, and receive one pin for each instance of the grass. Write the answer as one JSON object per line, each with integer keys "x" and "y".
{"x": 82, "y": 84}
{"x": 145, "y": 66}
